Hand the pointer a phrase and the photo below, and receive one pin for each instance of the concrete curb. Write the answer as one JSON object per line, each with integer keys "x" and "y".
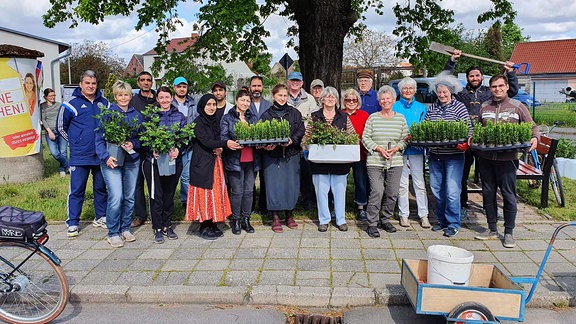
{"x": 299, "y": 296}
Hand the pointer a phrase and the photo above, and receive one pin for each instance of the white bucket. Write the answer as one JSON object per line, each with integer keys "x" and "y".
{"x": 570, "y": 169}
{"x": 449, "y": 265}
{"x": 561, "y": 162}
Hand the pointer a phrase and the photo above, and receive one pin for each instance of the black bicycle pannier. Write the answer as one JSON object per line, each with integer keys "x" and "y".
{"x": 19, "y": 224}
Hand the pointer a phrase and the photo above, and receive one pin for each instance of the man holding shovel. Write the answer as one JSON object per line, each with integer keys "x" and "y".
{"x": 472, "y": 96}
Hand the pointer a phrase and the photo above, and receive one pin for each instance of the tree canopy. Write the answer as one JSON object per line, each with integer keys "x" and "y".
{"x": 234, "y": 29}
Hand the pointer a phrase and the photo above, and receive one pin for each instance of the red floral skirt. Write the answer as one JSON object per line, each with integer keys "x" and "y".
{"x": 209, "y": 204}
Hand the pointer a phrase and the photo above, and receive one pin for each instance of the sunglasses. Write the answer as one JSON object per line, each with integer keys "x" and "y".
{"x": 351, "y": 100}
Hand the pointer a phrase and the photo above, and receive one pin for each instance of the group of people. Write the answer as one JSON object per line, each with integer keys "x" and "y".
{"x": 218, "y": 176}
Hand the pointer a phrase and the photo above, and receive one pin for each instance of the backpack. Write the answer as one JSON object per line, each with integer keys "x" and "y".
{"x": 19, "y": 224}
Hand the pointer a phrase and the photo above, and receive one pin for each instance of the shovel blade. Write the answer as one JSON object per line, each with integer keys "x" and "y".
{"x": 441, "y": 48}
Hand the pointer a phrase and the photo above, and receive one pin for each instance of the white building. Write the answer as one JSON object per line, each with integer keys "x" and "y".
{"x": 237, "y": 69}
{"x": 53, "y": 52}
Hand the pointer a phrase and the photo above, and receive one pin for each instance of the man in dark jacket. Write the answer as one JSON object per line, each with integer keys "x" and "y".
{"x": 76, "y": 122}
{"x": 472, "y": 96}
{"x": 498, "y": 169}
{"x": 146, "y": 96}
{"x": 258, "y": 106}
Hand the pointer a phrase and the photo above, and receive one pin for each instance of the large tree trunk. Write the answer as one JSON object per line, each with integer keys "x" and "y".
{"x": 322, "y": 26}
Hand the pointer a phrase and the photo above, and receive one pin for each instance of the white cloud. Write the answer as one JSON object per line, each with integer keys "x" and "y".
{"x": 542, "y": 20}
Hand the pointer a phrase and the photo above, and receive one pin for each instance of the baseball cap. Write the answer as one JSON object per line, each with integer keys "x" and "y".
{"x": 316, "y": 83}
{"x": 219, "y": 84}
{"x": 180, "y": 80}
{"x": 295, "y": 76}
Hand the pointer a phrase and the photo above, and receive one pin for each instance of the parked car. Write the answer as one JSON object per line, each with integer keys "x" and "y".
{"x": 525, "y": 98}
{"x": 424, "y": 89}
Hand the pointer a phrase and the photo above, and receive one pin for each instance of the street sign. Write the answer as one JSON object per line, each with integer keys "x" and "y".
{"x": 286, "y": 62}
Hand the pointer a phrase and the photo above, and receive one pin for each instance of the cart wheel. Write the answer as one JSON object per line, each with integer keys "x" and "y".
{"x": 470, "y": 311}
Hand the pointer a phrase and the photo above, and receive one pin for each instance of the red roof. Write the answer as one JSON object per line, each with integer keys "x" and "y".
{"x": 177, "y": 44}
{"x": 554, "y": 56}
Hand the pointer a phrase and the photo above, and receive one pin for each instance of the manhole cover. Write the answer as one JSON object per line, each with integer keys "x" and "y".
{"x": 316, "y": 319}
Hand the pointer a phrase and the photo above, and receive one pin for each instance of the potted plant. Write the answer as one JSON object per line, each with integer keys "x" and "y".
{"x": 160, "y": 139}
{"x": 328, "y": 144}
{"x": 116, "y": 131}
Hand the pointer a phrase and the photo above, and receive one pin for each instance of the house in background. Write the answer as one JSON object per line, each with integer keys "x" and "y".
{"x": 53, "y": 52}
{"x": 237, "y": 69}
{"x": 552, "y": 67}
{"x": 135, "y": 66}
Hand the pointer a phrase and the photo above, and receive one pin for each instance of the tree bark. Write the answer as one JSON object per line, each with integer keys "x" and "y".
{"x": 322, "y": 26}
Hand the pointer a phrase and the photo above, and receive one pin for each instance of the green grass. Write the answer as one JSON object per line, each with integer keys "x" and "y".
{"x": 532, "y": 197}
{"x": 548, "y": 113}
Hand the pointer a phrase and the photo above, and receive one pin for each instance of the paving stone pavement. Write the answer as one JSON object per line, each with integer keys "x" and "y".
{"x": 300, "y": 267}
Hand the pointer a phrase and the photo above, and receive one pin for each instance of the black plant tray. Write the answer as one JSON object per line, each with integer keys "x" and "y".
{"x": 502, "y": 148}
{"x": 437, "y": 143}
{"x": 273, "y": 141}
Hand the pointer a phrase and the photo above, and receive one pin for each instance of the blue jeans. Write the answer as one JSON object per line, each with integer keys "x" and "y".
{"x": 185, "y": 176}
{"x": 361, "y": 183}
{"x": 323, "y": 183}
{"x": 446, "y": 185}
{"x": 241, "y": 190}
{"x": 59, "y": 150}
{"x": 121, "y": 185}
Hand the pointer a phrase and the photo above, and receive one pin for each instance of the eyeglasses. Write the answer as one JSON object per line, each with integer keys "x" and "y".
{"x": 351, "y": 100}
{"x": 144, "y": 80}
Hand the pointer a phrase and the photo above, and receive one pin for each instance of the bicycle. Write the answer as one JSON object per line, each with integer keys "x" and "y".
{"x": 535, "y": 159}
{"x": 33, "y": 287}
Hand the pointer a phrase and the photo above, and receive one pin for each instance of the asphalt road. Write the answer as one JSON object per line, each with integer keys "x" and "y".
{"x": 208, "y": 314}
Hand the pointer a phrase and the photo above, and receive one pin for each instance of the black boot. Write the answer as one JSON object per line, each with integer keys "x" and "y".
{"x": 235, "y": 226}
{"x": 245, "y": 222}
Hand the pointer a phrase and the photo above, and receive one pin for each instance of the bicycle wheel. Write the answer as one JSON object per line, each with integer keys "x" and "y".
{"x": 556, "y": 184}
{"x": 533, "y": 183}
{"x": 41, "y": 288}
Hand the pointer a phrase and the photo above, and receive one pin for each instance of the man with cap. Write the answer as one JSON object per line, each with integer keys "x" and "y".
{"x": 316, "y": 88}
{"x": 306, "y": 104}
{"x": 365, "y": 79}
{"x": 146, "y": 96}
{"x": 219, "y": 91}
{"x": 472, "y": 96}
{"x": 185, "y": 104}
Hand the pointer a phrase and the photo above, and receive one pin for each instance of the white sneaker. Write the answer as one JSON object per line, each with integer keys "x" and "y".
{"x": 404, "y": 222}
{"x": 128, "y": 236}
{"x": 100, "y": 222}
{"x": 72, "y": 231}
{"x": 115, "y": 241}
{"x": 62, "y": 174}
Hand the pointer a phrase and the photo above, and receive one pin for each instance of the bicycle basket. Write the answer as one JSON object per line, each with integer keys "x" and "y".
{"x": 19, "y": 224}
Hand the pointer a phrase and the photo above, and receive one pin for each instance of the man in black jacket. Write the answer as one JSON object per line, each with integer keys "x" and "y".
{"x": 472, "y": 96}
{"x": 146, "y": 96}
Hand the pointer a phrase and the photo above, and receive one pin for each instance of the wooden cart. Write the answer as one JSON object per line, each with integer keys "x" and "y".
{"x": 488, "y": 288}
{"x": 490, "y": 296}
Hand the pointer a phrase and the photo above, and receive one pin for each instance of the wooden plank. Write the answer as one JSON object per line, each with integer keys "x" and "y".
{"x": 480, "y": 275}
{"x": 444, "y": 300}
{"x": 410, "y": 282}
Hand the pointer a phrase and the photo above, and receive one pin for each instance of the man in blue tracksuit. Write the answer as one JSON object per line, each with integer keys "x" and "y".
{"x": 76, "y": 123}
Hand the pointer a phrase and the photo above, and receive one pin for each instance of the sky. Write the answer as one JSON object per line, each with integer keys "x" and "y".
{"x": 541, "y": 20}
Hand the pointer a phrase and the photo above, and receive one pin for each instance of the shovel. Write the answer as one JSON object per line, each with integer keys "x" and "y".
{"x": 522, "y": 68}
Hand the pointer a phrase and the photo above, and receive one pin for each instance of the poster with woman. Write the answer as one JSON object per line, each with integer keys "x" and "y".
{"x": 19, "y": 114}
